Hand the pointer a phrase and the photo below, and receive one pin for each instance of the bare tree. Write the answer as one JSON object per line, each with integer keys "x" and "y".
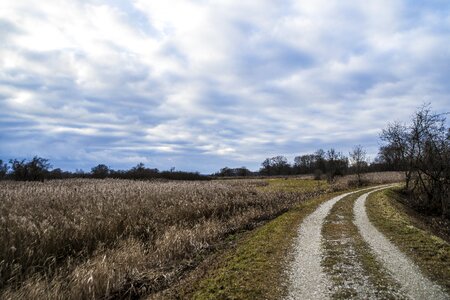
{"x": 431, "y": 161}
{"x": 399, "y": 144}
{"x": 358, "y": 160}
{"x": 305, "y": 163}
{"x": 35, "y": 169}
{"x": 336, "y": 164}
{"x": 424, "y": 147}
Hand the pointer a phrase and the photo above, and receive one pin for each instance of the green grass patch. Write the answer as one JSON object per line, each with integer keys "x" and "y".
{"x": 296, "y": 184}
{"x": 429, "y": 252}
{"x": 254, "y": 269}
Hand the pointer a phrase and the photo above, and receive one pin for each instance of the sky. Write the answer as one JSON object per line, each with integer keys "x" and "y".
{"x": 199, "y": 85}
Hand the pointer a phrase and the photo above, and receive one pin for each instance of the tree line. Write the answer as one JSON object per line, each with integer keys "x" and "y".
{"x": 420, "y": 149}
{"x": 323, "y": 164}
{"x": 39, "y": 169}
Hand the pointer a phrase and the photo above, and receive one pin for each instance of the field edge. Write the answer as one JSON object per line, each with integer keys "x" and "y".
{"x": 255, "y": 267}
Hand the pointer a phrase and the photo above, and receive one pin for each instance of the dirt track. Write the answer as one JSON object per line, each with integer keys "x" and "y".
{"x": 308, "y": 280}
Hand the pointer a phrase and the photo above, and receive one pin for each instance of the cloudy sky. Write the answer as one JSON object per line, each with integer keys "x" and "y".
{"x": 200, "y": 84}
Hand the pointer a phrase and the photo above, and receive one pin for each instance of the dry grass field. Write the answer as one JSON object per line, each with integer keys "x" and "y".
{"x": 368, "y": 179}
{"x": 77, "y": 239}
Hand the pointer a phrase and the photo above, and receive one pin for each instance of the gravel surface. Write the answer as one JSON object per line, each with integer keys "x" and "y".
{"x": 352, "y": 271}
{"x": 306, "y": 278}
{"x": 413, "y": 283}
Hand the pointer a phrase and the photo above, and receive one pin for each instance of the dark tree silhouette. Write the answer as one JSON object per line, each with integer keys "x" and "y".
{"x": 230, "y": 172}
{"x": 277, "y": 165}
{"x": 100, "y": 171}
{"x": 358, "y": 160}
{"x": 34, "y": 170}
{"x": 3, "y": 169}
{"x": 424, "y": 149}
{"x": 336, "y": 164}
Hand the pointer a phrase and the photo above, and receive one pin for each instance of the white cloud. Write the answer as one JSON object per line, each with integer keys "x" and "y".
{"x": 214, "y": 82}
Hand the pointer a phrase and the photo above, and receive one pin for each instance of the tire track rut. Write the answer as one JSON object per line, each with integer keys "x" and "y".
{"x": 349, "y": 261}
{"x": 413, "y": 283}
{"x": 307, "y": 280}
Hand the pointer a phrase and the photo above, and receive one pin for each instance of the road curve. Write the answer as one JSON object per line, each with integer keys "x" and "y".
{"x": 307, "y": 280}
{"x": 414, "y": 284}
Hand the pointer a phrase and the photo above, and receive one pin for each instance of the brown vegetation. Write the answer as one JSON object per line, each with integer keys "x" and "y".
{"x": 117, "y": 238}
{"x": 367, "y": 179}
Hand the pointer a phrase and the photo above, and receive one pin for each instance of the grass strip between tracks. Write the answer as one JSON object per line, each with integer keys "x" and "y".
{"x": 348, "y": 259}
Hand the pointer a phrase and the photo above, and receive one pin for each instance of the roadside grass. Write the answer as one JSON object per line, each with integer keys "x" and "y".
{"x": 429, "y": 252}
{"x": 255, "y": 268}
{"x": 348, "y": 260}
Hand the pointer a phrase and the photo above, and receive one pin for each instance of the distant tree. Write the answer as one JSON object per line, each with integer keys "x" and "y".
{"x": 38, "y": 168}
{"x": 100, "y": 171}
{"x": 226, "y": 172}
{"x": 320, "y": 160}
{"x": 277, "y": 165}
{"x": 229, "y": 172}
{"x": 358, "y": 160}
{"x": 280, "y": 165}
{"x": 336, "y": 164}
{"x": 305, "y": 164}
{"x": 266, "y": 168}
{"x": 35, "y": 169}
{"x": 3, "y": 169}
{"x": 18, "y": 169}
{"x": 139, "y": 166}
{"x": 80, "y": 173}
{"x": 56, "y": 173}
{"x": 389, "y": 159}
{"x": 139, "y": 171}
{"x": 399, "y": 148}
{"x": 243, "y": 171}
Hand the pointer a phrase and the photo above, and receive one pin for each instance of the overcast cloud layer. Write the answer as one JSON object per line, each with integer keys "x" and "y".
{"x": 203, "y": 84}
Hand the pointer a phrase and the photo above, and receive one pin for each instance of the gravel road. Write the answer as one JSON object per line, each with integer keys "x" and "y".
{"x": 308, "y": 280}
{"x": 413, "y": 283}
{"x": 306, "y": 277}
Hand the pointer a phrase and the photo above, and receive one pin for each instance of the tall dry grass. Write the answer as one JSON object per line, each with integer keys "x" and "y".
{"x": 80, "y": 239}
{"x": 350, "y": 181}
